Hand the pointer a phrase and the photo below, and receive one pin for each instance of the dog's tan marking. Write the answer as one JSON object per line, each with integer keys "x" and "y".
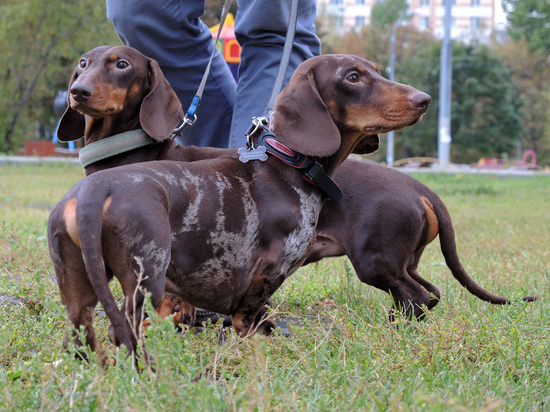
{"x": 113, "y": 57}
{"x": 432, "y": 219}
{"x": 106, "y": 205}
{"x": 134, "y": 90}
{"x": 116, "y": 99}
{"x": 237, "y": 321}
{"x": 69, "y": 217}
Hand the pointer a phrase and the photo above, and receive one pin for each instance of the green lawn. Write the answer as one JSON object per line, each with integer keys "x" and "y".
{"x": 467, "y": 355}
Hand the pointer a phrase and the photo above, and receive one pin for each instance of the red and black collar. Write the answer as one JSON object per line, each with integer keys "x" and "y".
{"x": 259, "y": 136}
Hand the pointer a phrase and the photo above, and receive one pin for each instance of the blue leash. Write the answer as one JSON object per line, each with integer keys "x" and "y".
{"x": 191, "y": 117}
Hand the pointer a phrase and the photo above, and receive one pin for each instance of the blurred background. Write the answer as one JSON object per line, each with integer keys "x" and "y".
{"x": 500, "y": 94}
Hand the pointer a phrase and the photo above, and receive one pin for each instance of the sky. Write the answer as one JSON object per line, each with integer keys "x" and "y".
{"x": 500, "y": 17}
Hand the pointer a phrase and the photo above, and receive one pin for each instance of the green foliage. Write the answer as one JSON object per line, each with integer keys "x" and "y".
{"x": 485, "y": 109}
{"x": 529, "y": 19}
{"x": 213, "y": 11}
{"x": 40, "y": 42}
{"x": 531, "y": 76}
{"x": 385, "y": 13}
{"x": 486, "y": 119}
{"x": 342, "y": 355}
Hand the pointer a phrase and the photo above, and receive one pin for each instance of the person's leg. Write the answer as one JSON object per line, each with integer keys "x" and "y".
{"x": 260, "y": 29}
{"x": 172, "y": 33}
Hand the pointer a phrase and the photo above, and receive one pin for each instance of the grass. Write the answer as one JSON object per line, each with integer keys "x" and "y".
{"x": 467, "y": 355}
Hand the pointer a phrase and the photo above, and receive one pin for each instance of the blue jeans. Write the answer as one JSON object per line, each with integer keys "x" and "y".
{"x": 172, "y": 33}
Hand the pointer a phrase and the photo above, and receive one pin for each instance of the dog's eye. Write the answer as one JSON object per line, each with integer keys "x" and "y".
{"x": 353, "y": 78}
{"x": 82, "y": 63}
{"x": 122, "y": 64}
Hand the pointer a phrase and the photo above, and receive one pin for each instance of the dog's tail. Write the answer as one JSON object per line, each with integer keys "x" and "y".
{"x": 448, "y": 248}
{"x": 89, "y": 212}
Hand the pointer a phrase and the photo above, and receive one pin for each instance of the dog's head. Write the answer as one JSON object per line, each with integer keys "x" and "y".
{"x": 331, "y": 96}
{"x": 121, "y": 84}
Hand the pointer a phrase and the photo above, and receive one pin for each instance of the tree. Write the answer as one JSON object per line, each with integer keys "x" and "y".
{"x": 385, "y": 13}
{"x": 485, "y": 119}
{"x": 213, "y": 11}
{"x": 529, "y": 19}
{"x": 531, "y": 76}
{"x": 40, "y": 42}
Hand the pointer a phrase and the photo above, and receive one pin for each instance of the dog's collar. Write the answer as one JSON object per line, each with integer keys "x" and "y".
{"x": 113, "y": 145}
{"x": 313, "y": 172}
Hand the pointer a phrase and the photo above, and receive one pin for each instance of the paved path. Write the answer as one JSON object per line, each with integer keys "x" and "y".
{"x": 454, "y": 169}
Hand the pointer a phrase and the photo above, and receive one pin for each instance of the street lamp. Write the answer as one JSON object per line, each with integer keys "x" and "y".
{"x": 445, "y": 81}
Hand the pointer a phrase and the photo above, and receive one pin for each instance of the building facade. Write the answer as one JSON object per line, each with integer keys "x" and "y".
{"x": 471, "y": 19}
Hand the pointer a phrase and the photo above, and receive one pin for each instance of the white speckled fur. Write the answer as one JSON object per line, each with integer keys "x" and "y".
{"x": 232, "y": 248}
{"x": 301, "y": 239}
{"x": 190, "y": 220}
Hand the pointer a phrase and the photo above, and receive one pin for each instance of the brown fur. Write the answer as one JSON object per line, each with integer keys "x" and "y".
{"x": 217, "y": 233}
{"x": 183, "y": 312}
{"x": 383, "y": 224}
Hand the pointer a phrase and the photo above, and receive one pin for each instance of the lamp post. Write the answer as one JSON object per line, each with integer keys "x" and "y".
{"x": 390, "y": 143}
{"x": 445, "y": 80}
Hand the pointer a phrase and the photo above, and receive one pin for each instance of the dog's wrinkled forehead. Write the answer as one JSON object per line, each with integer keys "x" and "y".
{"x": 105, "y": 54}
{"x": 336, "y": 62}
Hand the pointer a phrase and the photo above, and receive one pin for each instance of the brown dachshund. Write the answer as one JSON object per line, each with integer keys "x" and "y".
{"x": 383, "y": 224}
{"x": 114, "y": 90}
{"x": 219, "y": 233}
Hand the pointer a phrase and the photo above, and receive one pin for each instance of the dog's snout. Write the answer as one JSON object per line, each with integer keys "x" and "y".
{"x": 421, "y": 100}
{"x": 81, "y": 92}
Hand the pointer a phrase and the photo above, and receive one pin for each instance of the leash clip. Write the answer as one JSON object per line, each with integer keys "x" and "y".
{"x": 258, "y": 124}
{"x": 185, "y": 123}
{"x": 251, "y": 151}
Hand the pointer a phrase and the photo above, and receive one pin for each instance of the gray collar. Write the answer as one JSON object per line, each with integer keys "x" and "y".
{"x": 113, "y": 145}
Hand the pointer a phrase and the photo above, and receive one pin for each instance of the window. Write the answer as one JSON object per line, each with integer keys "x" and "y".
{"x": 476, "y": 3}
{"x": 337, "y": 21}
{"x": 424, "y": 23}
{"x": 359, "y": 22}
{"x": 475, "y": 22}
{"x": 360, "y": 2}
{"x": 424, "y": 3}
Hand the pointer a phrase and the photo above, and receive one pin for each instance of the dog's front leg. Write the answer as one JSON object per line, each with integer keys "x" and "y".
{"x": 250, "y": 316}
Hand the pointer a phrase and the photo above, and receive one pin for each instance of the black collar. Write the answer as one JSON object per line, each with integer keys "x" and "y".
{"x": 313, "y": 172}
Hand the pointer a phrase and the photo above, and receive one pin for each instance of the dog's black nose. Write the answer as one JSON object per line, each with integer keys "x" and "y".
{"x": 81, "y": 92}
{"x": 421, "y": 100}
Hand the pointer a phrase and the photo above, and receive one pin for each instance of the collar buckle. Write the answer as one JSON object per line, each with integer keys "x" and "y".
{"x": 258, "y": 136}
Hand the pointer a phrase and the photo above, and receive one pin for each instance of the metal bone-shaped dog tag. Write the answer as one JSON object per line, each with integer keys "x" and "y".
{"x": 257, "y": 153}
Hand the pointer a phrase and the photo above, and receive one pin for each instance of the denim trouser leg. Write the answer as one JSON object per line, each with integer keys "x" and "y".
{"x": 260, "y": 28}
{"x": 171, "y": 32}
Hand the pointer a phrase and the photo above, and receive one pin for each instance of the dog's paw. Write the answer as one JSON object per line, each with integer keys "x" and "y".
{"x": 267, "y": 327}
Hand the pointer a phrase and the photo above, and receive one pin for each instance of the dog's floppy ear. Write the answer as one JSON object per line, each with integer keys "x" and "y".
{"x": 72, "y": 124}
{"x": 161, "y": 109}
{"x": 369, "y": 144}
{"x": 301, "y": 119}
